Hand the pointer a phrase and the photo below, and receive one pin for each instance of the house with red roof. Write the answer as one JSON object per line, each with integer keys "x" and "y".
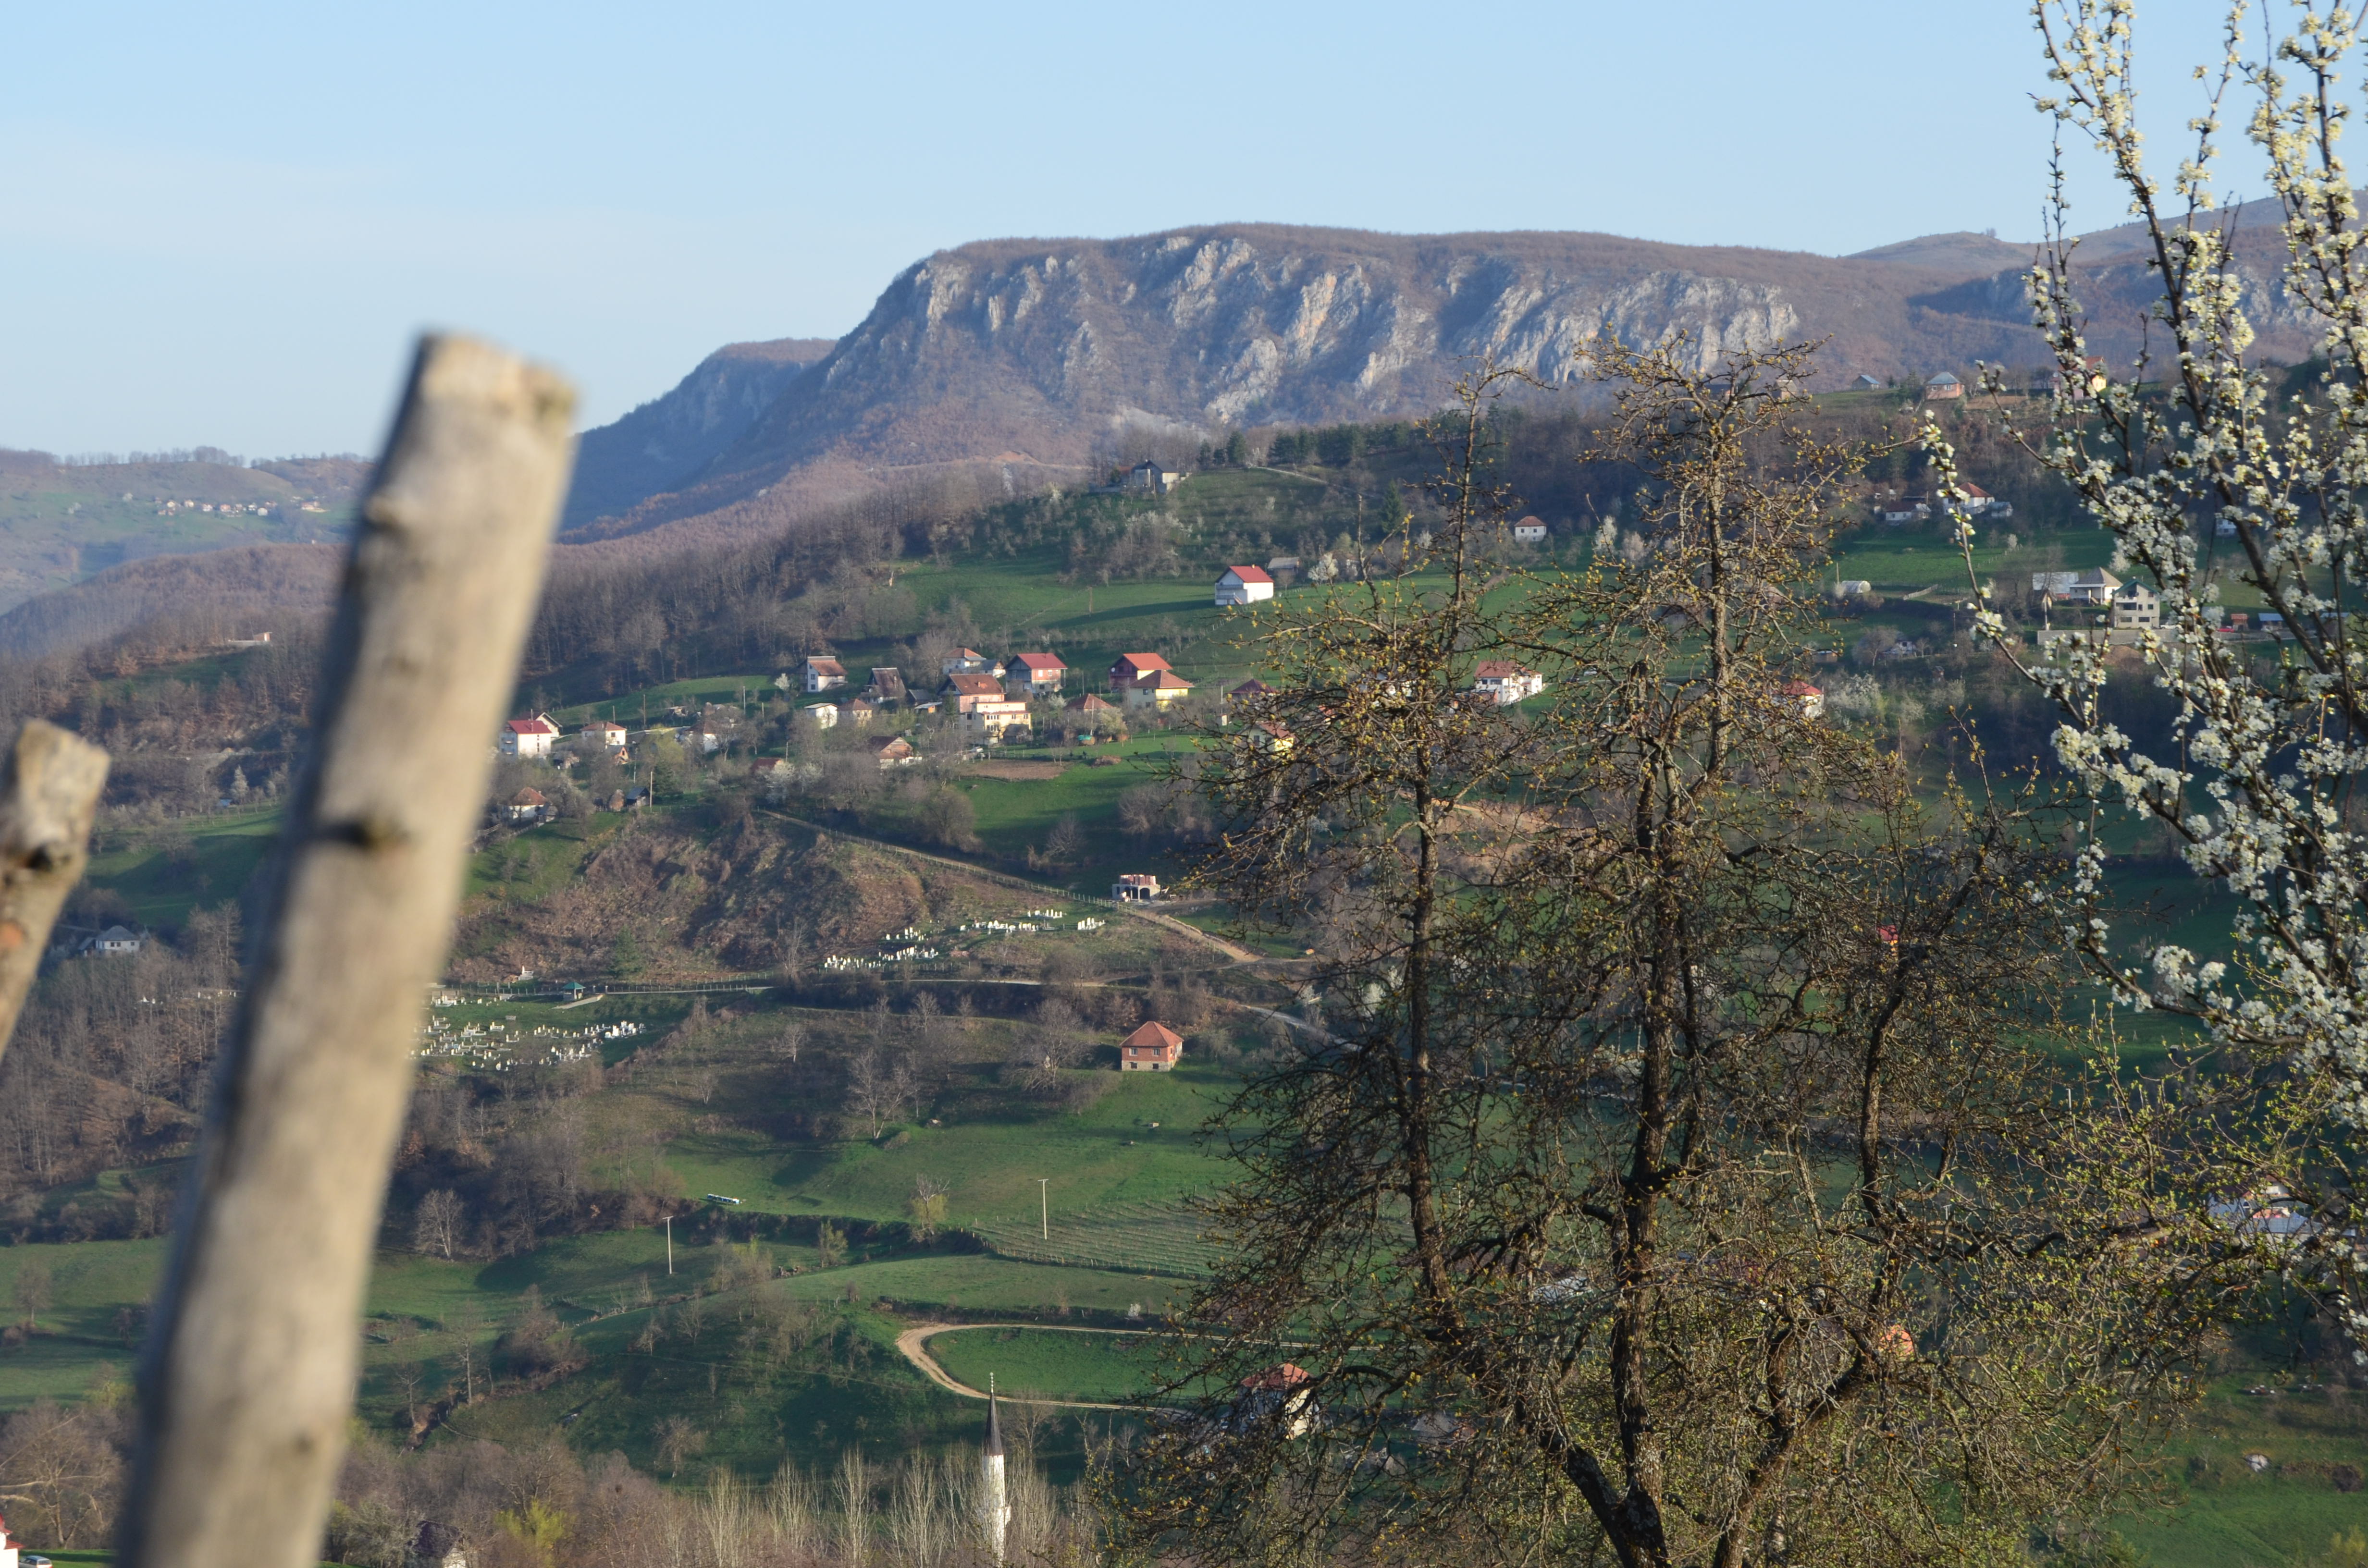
{"x": 1154, "y": 1048}
{"x": 532, "y": 736}
{"x": 1244, "y": 585}
{"x": 1506, "y": 681}
{"x": 1036, "y": 675}
{"x": 967, "y": 689}
{"x": 1131, "y": 668}
{"x": 822, "y": 675}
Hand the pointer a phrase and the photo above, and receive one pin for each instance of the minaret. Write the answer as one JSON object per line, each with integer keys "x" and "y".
{"x": 994, "y": 1506}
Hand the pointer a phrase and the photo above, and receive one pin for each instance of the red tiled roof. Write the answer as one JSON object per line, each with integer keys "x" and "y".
{"x": 1142, "y": 664}
{"x": 1496, "y": 669}
{"x": 825, "y": 666}
{"x": 1155, "y": 1034}
{"x": 535, "y": 726}
{"x": 1046, "y": 661}
{"x": 1286, "y": 1375}
{"x": 1166, "y": 680}
{"x": 972, "y": 684}
{"x": 1251, "y": 574}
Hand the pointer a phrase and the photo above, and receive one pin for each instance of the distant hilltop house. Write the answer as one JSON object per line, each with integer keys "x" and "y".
{"x": 1150, "y": 479}
{"x": 1135, "y": 887}
{"x": 1036, "y": 675}
{"x": 1943, "y": 385}
{"x": 530, "y": 737}
{"x": 1154, "y": 1048}
{"x": 892, "y": 751}
{"x": 606, "y": 732}
{"x": 1505, "y": 681}
{"x": 1852, "y": 588}
{"x": 822, "y": 675}
{"x": 1530, "y": 530}
{"x": 527, "y": 806}
{"x": 970, "y": 661}
{"x": 1811, "y": 699}
{"x": 1903, "y": 510}
{"x": 1244, "y": 585}
{"x": 1866, "y": 383}
{"x": 260, "y": 640}
{"x": 115, "y": 942}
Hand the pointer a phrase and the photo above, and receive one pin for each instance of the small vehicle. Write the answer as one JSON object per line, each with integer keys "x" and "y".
{"x": 719, "y": 1198}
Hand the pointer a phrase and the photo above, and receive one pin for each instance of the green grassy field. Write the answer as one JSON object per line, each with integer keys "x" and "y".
{"x": 1050, "y": 1363}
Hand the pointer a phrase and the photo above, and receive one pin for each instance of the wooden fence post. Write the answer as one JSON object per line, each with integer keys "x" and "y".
{"x": 49, "y": 792}
{"x": 248, "y": 1378}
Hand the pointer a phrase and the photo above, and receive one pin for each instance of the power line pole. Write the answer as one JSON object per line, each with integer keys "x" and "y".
{"x": 669, "y": 1246}
{"x": 1044, "y": 1202}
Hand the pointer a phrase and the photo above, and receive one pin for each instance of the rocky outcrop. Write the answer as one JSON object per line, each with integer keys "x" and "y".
{"x": 668, "y": 440}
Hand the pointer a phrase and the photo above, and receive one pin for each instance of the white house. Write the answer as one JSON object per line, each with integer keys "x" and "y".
{"x": 822, "y": 715}
{"x": 115, "y": 942}
{"x": 1244, "y": 585}
{"x": 1811, "y": 699}
{"x": 822, "y": 674}
{"x": 1506, "y": 681}
{"x": 1529, "y": 530}
{"x": 1150, "y": 477}
{"x": 608, "y": 734}
{"x": 1035, "y": 675}
{"x": 993, "y": 719}
{"x": 530, "y": 737}
{"x": 1158, "y": 690}
{"x": 970, "y": 661}
{"x": 1135, "y": 887}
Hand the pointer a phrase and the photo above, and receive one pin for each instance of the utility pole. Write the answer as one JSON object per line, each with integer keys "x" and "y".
{"x": 1044, "y": 1202}
{"x": 669, "y": 1246}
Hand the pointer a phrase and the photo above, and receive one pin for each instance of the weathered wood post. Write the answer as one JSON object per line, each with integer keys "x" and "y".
{"x": 248, "y": 1376}
{"x": 49, "y": 792}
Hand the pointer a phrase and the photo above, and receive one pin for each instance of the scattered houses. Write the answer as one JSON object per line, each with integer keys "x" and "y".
{"x": 824, "y": 674}
{"x": 1244, "y": 585}
{"x": 1506, "y": 681}
{"x": 530, "y": 737}
{"x": 1135, "y": 887}
{"x": 1037, "y": 674}
{"x": 1530, "y": 530}
{"x": 1154, "y": 1048}
{"x": 892, "y": 751}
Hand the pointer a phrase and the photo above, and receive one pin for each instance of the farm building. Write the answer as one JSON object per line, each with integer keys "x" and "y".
{"x": 1154, "y": 1048}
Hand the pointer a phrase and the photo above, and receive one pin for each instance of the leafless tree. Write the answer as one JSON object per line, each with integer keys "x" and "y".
{"x": 435, "y": 1228}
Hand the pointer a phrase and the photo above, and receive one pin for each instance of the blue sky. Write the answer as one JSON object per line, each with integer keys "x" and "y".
{"x": 222, "y": 225}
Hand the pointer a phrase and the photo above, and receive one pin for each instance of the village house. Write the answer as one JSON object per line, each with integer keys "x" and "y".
{"x": 970, "y": 661}
{"x": 1248, "y": 690}
{"x": 1278, "y": 565}
{"x": 527, "y": 806}
{"x": 1943, "y": 385}
{"x": 1866, "y": 383}
{"x": 2135, "y": 608}
{"x": 1268, "y": 735}
{"x": 1505, "y": 681}
{"x": 1244, "y": 585}
{"x": 821, "y": 715}
{"x": 824, "y": 674}
{"x": 1135, "y": 887}
{"x": 1037, "y": 674}
{"x": 1811, "y": 699}
{"x": 855, "y": 711}
{"x": 1530, "y": 530}
{"x": 530, "y": 737}
{"x": 968, "y": 689}
{"x": 1130, "y": 668}
{"x": 993, "y": 719}
{"x": 117, "y": 942}
{"x": 606, "y": 732}
{"x": 887, "y": 685}
{"x": 892, "y": 751}
{"x": 1150, "y": 479}
{"x": 1154, "y": 1048}
{"x": 1158, "y": 690}
{"x": 1281, "y": 1393}
{"x": 2095, "y": 588}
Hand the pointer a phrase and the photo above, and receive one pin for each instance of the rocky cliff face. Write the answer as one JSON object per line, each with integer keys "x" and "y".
{"x": 1031, "y": 352}
{"x": 669, "y": 439}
